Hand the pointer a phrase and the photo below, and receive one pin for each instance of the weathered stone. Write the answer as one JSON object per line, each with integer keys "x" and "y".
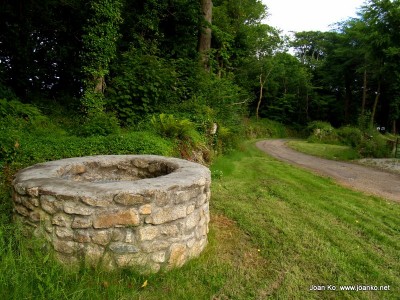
{"x": 153, "y": 246}
{"x": 93, "y": 254}
{"x": 190, "y": 209}
{"x": 148, "y": 233}
{"x": 128, "y": 217}
{"x": 82, "y": 236}
{"x": 177, "y": 256}
{"x": 129, "y": 199}
{"x": 190, "y": 243}
{"x": 61, "y": 220}
{"x": 101, "y": 237}
{"x": 166, "y": 214}
{"x": 118, "y": 234}
{"x": 145, "y": 209}
{"x": 107, "y": 262}
{"x": 78, "y": 169}
{"x": 22, "y": 210}
{"x": 161, "y": 198}
{"x": 34, "y": 216}
{"x": 17, "y": 198}
{"x": 129, "y": 236}
{"x": 169, "y": 230}
{"x": 33, "y": 191}
{"x": 76, "y": 208}
{"x": 81, "y": 222}
{"x": 110, "y": 210}
{"x": 50, "y": 204}
{"x": 192, "y": 220}
{"x": 125, "y": 260}
{"x": 20, "y": 188}
{"x": 64, "y": 233}
{"x": 25, "y": 200}
{"x": 67, "y": 260}
{"x": 97, "y": 201}
{"x": 201, "y": 200}
{"x": 158, "y": 257}
{"x": 66, "y": 247}
{"x": 197, "y": 248}
{"x": 118, "y": 247}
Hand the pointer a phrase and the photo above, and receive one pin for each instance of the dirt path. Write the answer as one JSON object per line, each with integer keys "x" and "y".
{"x": 368, "y": 180}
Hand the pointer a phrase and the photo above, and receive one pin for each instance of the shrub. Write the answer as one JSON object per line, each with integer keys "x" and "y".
{"x": 373, "y": 144}
{"x": 350, "y": 136}
{"x": 100, "y": 124}
{"x": 169, "y": 126}
{"x": 322, "y": 132}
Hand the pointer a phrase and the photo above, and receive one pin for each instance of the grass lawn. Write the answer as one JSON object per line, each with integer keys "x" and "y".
{"x": 275, "y": 231}
{"x": 335, "y": 152}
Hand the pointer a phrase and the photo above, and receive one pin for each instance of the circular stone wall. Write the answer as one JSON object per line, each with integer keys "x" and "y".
{"x": 142, "y": 211}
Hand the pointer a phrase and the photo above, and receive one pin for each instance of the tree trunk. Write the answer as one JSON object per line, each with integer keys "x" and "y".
{"x": 378, "y": 93}
{"x": 205, "y": 34}
{"x": 347, "y": 99}
{"x": 100, "y": 85}
{"x": 364, "y": 97}
{"x": 260, "y": 97}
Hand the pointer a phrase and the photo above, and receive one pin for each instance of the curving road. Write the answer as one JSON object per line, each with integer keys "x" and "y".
{"x": 365, "y": 179}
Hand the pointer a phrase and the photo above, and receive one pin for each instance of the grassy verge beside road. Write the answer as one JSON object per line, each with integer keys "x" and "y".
{"x": 275, "y": 231}
{"x": 329, "y": 151}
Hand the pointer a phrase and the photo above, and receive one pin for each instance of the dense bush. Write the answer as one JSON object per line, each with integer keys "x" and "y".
{"x": 100, "y": 124}
{"x": 322, "y": 132}
{"x": 373, "y": 144}
{"x": 265, "y": 128}
{"x": 350, "y": 136}
{"x": 367, "y": 142}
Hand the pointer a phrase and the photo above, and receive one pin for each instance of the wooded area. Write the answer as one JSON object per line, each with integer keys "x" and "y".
{"x": 111, "y": 63}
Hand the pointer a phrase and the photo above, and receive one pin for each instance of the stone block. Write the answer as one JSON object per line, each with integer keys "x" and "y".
{"x": 148, "y": 233}
{"x": 82, "y": 236}
{"x": 50, "y": 204}
{"x": 101, "y": 237}
{"x": 64, "y": 233}
{"x": 76, "y": 208}
{"x": 129, "y": 199}
{"x": 177, "y": 256}
{"x": 66, "y": 247}
{"x": 98, "y": 201}
{"x": 33, "y": 191}
{"x": 166, "y": 214}
{"x": 145, "y": 209}
{"x": 61, "y": 220}
{"x": 119, "y": 247}
{"x": 81, "y": 222}
{"x": 125, "y": 218}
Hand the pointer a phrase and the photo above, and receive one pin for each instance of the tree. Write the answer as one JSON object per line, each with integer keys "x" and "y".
{"x": 99, "y": 48}
{"x": 205, "y": 33}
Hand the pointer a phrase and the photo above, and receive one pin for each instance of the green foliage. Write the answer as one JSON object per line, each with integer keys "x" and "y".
{"x": 265, "y": 128}
{"x": 17, "y": 109}
{"x": 100, "y": 46}
{"x": 328, "y": 151}
{"x": 322, "y": 132}
{"x": 169, "y": 126}
{"x": 373, "y": 144}
{"x": 350, "y": 136}
{"x": 367, "y": 143}
{"x": 100, "y": 124}
{"x": 142, "y": 84}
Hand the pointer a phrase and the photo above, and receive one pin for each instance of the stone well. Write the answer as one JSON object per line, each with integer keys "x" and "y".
{"x": 141, "y": 211}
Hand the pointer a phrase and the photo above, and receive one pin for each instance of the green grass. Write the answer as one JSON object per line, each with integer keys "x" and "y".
{"x": 275, "y": 230}
{"x": 335, "y": 152}
{"x": 310, "y": 231}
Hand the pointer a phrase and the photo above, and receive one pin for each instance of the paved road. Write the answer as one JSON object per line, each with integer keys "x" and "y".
{"x": 365, "y": 179}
